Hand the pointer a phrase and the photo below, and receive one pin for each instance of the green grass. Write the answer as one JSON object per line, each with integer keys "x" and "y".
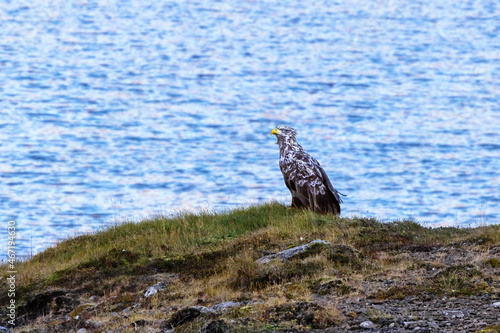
{"x": 196, "y": 238}
{"x": 158, "y": 237}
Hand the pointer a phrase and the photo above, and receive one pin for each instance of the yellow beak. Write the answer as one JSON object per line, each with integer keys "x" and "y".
{"x": 274, "y": 131}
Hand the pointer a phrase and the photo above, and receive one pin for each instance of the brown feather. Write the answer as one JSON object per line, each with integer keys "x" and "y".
{"x": 305, "y": 178}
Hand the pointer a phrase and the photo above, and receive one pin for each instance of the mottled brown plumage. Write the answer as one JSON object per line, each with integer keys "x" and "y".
{"x": 304, "y": 176}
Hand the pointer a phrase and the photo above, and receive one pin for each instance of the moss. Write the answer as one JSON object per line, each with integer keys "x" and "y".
{"x": 302, "y": 313}
{"x": 397, "y": 292}
{"x": 115, "y": 258}
{"x": 335, "y": 286}
{"x": 460, "y": 280}
{"x": 199, "y": 265}
{"x": 242, "y": 311}
{"x": 378, "y": 316}
{"x": 493, "y": 262}
{"x": 341, "y": 255}
{"x": 79, "y": 309}
{"x": 388, "y": 236}
{"x": 490, "y": 329}
{"x": 61, "y": 275}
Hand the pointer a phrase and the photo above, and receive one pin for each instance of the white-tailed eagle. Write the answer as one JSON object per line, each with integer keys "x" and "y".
{"x": 304, "y": 176}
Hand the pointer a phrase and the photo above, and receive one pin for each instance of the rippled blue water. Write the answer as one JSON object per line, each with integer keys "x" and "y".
{"x": 114, "y": 110}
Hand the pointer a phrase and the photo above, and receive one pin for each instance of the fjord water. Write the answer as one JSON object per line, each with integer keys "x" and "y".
{"x": 119, "y": 110}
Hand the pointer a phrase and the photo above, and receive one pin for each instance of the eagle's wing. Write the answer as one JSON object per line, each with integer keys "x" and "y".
{"x": 329, "y": 185}
{"x": 309, "y": 184}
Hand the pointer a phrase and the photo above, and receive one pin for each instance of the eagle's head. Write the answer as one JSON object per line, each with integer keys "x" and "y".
{"x": 285, "y": 135}
{"x": 284, "y": 131}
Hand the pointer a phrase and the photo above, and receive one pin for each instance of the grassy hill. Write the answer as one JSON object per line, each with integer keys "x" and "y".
{"x": 369, "y": 269}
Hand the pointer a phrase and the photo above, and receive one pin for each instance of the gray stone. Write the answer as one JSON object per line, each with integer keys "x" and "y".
{"x": 203, "y": 309}
{"x": 94, "y": 323}
{"x": 496, "y": 304}
{"x": 154, "y": 289}
{"x": 433, "y": 325}
{"x": 287, "y": 254}
{"x": 4, "y": 330}
{"x": 367, "y": 324}
{"x": 221, "y": 307}
{"x": 415, "y": 324}
{"x": 454, "y": 313}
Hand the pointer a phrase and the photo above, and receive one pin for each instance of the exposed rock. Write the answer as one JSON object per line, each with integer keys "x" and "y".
{"x": 4, "y": 330}
{"x": 414, "y": 324}
{"x": 433, "y": 325}
{"x": 182, "y": 316}
{"x": 496, "y": 305}
{"x": 436, "y": 314}
{"x": 154, "y": 289}
{"x": 288, "y": 254}
{"x": 94, "y": 298}
{"x": 203, "y": 309}
{"x": 367, "y": 324}
{"x": 455, "y": 313}
{"x": 94, "y": 323}
{"x": 221, "y": 307}
{"x": 53, "y": 301}
{"x": 190, "y": 313}
{"x": 495, "y": 250}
